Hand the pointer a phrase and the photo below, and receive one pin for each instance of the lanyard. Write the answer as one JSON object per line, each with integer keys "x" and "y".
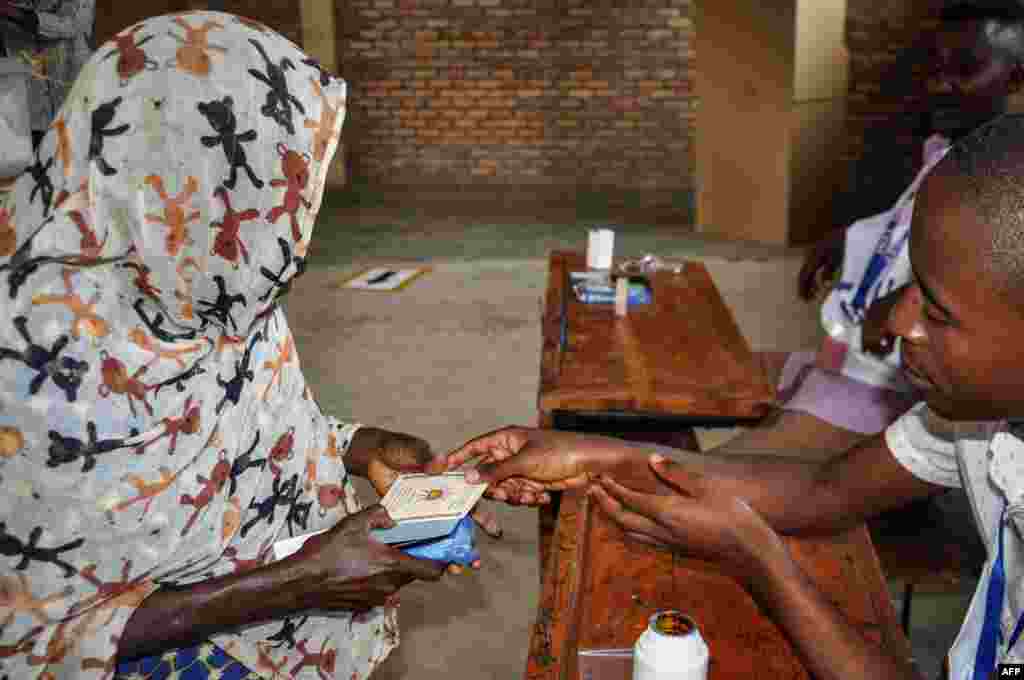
{"x": 991, "y": 632}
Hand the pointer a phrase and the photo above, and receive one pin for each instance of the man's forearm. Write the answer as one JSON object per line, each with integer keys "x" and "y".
{"x": 792, "y": 495}
{"x": 830, "y": 647}
{"x": 768, "y": 481}
{"x": 174, "y": 617}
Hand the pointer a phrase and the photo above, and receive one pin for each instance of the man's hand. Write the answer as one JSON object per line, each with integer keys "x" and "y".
{"x": 522, "y": 465}
{"x": 700, "y": 519}
{"x": 710, "y": 523}
{"x": 876, "y": 338}
{"x": 353, "y": 571}
{"x": 822, "y": 262}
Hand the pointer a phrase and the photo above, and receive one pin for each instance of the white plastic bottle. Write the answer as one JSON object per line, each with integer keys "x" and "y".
{"x": 670, "y": 649}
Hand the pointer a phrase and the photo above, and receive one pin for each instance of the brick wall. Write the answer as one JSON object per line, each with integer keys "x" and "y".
{"x": 521, "y": 92}
{"x": 566, "y": 92}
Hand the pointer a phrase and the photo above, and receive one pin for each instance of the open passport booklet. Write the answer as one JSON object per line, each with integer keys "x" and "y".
{"x": 422, "y": 506}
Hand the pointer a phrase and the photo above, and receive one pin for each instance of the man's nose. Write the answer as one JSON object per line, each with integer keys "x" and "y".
{"x": 905, "y": 317}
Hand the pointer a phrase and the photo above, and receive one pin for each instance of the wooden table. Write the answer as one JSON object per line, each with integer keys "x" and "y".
{"x": 600, "y": 588}
{"x": 675, "y": 363}
{"x": 682, "y": 356}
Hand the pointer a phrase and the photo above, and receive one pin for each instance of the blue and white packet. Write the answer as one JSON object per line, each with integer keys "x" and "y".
{"x": 637, "y": 294}
{"x": 458, "y": 547}
{"x": 598, "y": 288}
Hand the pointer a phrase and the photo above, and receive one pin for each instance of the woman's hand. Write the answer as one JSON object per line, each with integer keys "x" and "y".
{"x": 522, "y": 465}
{"x": 699, "y": 519}
{"x": 822, "y": 262}
{"x": 391, "y": 454}
{"x": 349, "y": 570}
{"x": 394, "y": 454}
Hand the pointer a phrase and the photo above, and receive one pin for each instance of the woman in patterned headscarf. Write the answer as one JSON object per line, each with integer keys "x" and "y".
{"x": 156, "y": 432}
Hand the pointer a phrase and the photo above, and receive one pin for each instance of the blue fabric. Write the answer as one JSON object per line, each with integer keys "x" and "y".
{"x": 236, "y": 671}
{"x": 455, "y": 548}
{"x": 985, "y": 659}
{"x": 205, "y": 661}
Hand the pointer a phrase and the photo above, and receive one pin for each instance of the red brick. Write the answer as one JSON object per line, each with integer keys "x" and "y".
{"x": 463, "y": 77}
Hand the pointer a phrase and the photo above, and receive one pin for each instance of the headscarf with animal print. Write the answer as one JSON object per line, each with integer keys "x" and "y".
{"x": 155, "y": 427}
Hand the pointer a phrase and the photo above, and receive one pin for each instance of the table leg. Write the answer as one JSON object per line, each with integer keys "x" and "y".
{"x": 547, "y": 516}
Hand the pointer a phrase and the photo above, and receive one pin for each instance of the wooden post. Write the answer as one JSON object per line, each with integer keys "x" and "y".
{"x": 772, "y": 81}
{"x": 319, "y": 40}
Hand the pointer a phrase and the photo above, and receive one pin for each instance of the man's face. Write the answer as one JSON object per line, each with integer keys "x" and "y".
{"x": 962, "y": 342}
{"x": 966, "y": 71}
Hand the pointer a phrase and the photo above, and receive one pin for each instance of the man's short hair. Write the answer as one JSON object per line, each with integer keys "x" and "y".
{"x": 988, "y": 165}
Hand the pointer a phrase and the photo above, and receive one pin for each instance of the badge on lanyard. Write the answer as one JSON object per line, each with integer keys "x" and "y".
{"x": 995, "y": 595}
{"x": 885, "y": 251}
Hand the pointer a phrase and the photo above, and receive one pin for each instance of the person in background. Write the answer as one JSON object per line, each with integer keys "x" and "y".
{"x": 56, "y": 35}
{"x": 852, "y": 387}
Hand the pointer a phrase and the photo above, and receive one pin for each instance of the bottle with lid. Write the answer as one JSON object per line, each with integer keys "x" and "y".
{"x": 670, "y": 649}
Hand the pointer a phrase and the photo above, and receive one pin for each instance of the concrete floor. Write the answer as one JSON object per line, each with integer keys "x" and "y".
{"x": 457, "y": 354}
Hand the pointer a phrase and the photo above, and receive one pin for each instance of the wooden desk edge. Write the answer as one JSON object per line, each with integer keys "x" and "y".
{"x": 555, "y": 631}
{"x": 613, "y": 399}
